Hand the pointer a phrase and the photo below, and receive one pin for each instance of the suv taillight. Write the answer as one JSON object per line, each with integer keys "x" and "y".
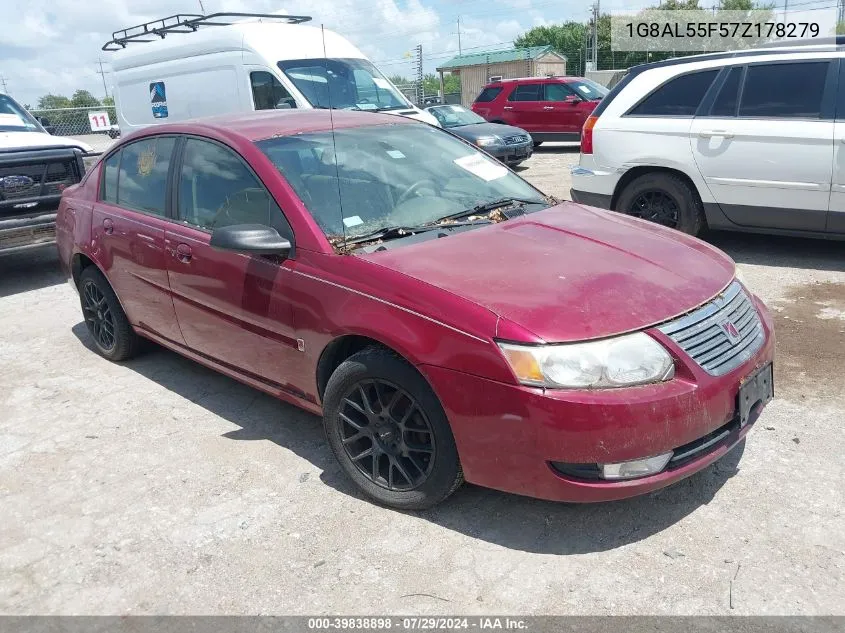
{"x": 587, "y": 135}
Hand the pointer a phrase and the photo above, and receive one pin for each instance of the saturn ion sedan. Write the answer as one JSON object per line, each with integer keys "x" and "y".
{"x": 446, "y": 319}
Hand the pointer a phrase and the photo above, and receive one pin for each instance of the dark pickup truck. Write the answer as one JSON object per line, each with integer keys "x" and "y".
{"x": 32, "y": 180}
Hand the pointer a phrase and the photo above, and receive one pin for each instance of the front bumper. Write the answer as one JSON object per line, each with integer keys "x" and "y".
{"x": 509, "y": 436}
{"x": 511, "y": 153}
{"x": 28, "y": 232}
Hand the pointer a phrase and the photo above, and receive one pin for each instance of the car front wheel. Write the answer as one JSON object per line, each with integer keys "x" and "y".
{"x": 389, "y": 432}
{"x": 665, "y": 199}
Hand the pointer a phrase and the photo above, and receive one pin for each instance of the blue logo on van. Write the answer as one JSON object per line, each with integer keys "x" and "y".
{"x": 158, "y": 98}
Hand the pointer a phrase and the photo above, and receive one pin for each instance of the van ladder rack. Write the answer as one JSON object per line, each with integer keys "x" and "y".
{"x": 186, "y": 23}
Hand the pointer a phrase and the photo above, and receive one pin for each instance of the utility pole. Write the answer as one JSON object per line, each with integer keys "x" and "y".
{"x": 3, "y": 81}
{"x": 418, "y": 67}
{"x": 840, "y": 16}
{"x": 102, "y": 73}
{"x": 202, "y": 8}
{"x": 459, "y": 36}
{"x": 596, "y": 13}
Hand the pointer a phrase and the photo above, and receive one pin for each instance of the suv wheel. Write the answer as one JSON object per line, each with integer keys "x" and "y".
{"x": 389, "y": 432}
{"x": 113, "y": 337}
{"x": 663, "y": 199}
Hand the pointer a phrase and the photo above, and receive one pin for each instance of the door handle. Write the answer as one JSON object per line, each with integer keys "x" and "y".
{"x": 712, "y": 133}
{"x": 508, "y": 108}
{"x": 548, "y": 107}
{"x": 183, "y": 253}
{"x": 108, "y": 226}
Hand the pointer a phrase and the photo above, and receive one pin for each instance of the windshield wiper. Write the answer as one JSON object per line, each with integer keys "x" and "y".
{"x": 395, "y": 232}
{"x": 488, "y": 206}
{"x": 396, "y": 107}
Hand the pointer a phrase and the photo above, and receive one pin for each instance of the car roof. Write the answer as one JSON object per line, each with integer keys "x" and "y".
{"x": 257, "y": 126}
{"x": 559, "y": 78}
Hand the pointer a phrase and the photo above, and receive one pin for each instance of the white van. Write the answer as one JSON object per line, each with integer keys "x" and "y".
{"x": 184, "y": 67}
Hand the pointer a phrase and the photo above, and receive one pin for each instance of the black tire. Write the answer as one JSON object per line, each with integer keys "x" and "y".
{"x": 515, "y": 164}
{"x": 106, "y": 321}
{"x": 665, "y": 199}
{"x": 345, "y": 418}
{"x": 537, "y": 144}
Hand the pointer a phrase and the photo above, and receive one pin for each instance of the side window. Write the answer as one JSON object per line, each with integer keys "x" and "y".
{"x": 268, "y": 93}
{"x": 788, "y": 91}
{"x": 217, "y": 189}
{"x": 557, "y": 92}
{"x": 527, "y": 92}
{"x": 488, "y": 94}
{"x": 109, "y": 191}
{"x": 677, "y": 97}
{"x": 726, "y": 100}
{"x": 142, "y": 179}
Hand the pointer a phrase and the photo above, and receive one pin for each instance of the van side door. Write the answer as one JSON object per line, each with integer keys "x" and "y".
{"x": 764, "y": 146}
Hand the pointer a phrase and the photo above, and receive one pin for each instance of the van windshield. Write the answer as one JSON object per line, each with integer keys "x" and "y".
{"x": 13, "y": 118}
{"x": 346, "y": 84}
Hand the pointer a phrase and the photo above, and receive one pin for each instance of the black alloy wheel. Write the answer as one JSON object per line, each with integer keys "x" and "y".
{"x": 387, "y": 435}
{"x": 98, "y": 316}
{"x": 655, "y": 206}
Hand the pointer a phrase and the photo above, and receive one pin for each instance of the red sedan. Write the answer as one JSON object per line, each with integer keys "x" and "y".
{"x": 447, "y": 319}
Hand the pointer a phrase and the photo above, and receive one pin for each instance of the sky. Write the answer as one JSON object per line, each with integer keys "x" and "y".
{"x": 53, "y": 46}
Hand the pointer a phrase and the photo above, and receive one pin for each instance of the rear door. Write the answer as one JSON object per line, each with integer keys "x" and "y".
{"x": 836, "y": 210}
{"x": 524, "y": 107}
{"x": 765, "y": 145}
{"x": 128, "y": 231}
{"x": 231, "y": 307}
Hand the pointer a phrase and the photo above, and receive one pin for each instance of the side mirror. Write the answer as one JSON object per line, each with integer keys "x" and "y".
{"x": 572, "y": 99}
{"x": 45, "y": 123}
{"x": 250, "y": 239}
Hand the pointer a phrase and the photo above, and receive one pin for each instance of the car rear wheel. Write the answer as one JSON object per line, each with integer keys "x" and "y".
{"x": 106, "y": 321}
{"x": 663, "y": 199}
{"x": 389, "y": 432}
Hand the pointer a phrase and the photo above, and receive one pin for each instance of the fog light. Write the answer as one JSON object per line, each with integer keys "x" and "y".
{"x": 635, "y": 468}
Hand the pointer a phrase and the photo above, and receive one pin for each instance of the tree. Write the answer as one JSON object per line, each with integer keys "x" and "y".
{"x": 431, "y": 83}
{"x": 108, "y": 101}
{"x": 83, "y": 99}
{"x": 399, "y": 80}
{"x": 51, "y": 101}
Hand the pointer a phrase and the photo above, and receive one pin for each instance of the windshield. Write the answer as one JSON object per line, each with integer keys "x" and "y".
{"x": 588, "y": 90}
{"x": 13, "y": 118}
{"x": 455, "y": 116}
{"x": 390, "y": 176}
{"x": 350, "y": 84}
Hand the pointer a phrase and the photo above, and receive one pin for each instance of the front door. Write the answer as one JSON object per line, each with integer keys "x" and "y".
{"x": 231, "y": 307}
{"x": 561, "y": 112}
{"x": 128, "y": 231}
{"x": 767, "y": 159}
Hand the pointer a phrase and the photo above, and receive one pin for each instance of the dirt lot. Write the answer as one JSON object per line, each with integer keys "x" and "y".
{"x": 158, "y": 486}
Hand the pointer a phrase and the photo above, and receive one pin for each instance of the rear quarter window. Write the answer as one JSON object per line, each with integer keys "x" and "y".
{"x": 488, "y": 94}
{"x": 677, "y": 97}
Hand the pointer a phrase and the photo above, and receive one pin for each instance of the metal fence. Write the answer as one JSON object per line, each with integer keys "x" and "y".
{"x": 77, "y": 121}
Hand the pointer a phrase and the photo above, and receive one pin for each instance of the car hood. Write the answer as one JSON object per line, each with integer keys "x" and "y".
{"x": 477, "y": 130}
{"x": 35, "y": 140}
{"x": 570, "y": 272}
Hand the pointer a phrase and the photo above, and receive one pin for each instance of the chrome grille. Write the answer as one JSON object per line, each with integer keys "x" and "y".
{"x": 518, "y": 138}
{"x": 55, "y": 176}
{"x": 703, "y": 334}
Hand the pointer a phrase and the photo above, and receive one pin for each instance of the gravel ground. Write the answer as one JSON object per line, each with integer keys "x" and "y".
{"x": 158, "y": 486}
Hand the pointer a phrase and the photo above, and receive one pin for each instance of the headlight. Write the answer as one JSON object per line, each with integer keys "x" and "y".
{"x": 486, "y": 141}
{"x": 632, "y": 359}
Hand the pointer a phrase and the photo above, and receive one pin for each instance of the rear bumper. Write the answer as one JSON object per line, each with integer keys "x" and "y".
{"x": 509, "y": 436}
{"x": 600, "y": 200}
{"x": 26, "y": 233}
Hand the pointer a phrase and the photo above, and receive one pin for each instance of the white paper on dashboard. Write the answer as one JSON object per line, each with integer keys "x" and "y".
{"x": 482, "y": 167}
{"x": 11, "y": 119}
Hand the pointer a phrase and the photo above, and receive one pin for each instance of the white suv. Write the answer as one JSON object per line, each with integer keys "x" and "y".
{"x": 747, "y": 141}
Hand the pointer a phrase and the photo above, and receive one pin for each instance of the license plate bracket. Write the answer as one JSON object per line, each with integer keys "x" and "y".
{"x": 759, "y": 387}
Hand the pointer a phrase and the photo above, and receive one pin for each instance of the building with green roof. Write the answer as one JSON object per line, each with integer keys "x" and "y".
{"x": 478, "y": 69}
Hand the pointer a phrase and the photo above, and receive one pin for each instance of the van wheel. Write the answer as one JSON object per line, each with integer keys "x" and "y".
{"x": 663, "y": 199}
{"x": 389, "y": 432}
{"x": 107, "y": 324}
